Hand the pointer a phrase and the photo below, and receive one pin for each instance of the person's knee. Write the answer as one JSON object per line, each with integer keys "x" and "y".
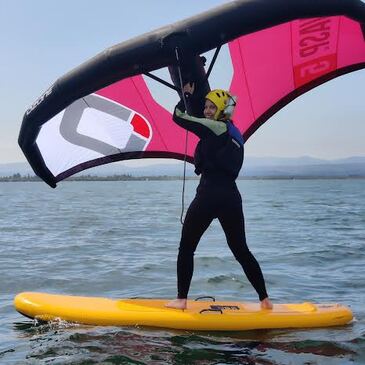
{"x": 243, "y": 256}
{"x": 186, "y": 251}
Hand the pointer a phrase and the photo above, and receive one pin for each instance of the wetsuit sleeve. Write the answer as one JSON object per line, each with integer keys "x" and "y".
{"x": 199, "y": 126}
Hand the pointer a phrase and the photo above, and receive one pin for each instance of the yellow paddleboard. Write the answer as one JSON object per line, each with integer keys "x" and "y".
{"x": 199, "y": 315}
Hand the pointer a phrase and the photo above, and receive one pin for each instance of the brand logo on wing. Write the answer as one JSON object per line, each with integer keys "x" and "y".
{"x": 314, "y": 48}
{"x": 104, "y": 126}
{"x": 39, "y": 100}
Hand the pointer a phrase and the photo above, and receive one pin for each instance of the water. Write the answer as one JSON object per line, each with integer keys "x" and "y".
{"x": 119, "y": 239}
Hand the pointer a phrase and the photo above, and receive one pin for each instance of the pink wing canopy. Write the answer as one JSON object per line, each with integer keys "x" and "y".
{"x": 276, "y": 65}
{"x": 271, "y": 68}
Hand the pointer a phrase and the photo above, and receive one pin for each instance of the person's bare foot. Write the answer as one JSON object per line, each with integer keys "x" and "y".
{"x": 266, "y": 304}
{"x": 177, "y": 304}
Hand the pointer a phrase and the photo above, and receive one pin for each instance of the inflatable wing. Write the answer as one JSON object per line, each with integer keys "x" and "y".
{"x": 103, "y": 110}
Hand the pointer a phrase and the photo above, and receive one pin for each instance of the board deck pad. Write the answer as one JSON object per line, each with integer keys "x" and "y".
{"x": 199, "y": 315}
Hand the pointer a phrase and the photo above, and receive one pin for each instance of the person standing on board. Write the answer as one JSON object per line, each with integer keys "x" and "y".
{"x": 218, "y": 159}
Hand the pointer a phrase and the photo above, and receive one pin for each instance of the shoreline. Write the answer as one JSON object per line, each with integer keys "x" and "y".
{"x": 33, "y": 178}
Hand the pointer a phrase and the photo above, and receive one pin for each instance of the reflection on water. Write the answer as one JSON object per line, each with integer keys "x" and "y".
{"x": 61, "y": 343}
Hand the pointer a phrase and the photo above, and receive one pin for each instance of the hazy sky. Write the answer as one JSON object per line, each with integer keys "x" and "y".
{"x": 41, "y": 40}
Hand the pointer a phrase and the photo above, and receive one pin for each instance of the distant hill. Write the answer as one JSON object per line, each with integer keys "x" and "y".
{"x": 254, "y": 167}
{"x": 304, "y": 167}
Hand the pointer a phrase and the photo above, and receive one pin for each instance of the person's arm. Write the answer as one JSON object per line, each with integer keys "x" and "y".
{"x": 201, "y": 127}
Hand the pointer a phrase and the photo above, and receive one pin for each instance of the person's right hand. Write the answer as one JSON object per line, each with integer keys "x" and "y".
{"x": 189, "y": 88}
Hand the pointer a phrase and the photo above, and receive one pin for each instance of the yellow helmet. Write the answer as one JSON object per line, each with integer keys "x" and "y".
{"x": 220, "y": 99}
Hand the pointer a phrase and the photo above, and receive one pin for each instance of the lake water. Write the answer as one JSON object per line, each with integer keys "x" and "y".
{"x": 120, "y": 239}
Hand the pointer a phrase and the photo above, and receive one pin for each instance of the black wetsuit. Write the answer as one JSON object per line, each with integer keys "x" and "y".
{"x": 218, "y": 158}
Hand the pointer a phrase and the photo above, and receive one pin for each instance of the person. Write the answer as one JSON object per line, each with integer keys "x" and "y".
{"x": 218, "y": 159}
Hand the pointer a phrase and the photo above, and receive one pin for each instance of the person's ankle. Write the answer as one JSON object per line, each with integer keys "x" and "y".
{"x": 266, "y": 303}
{"x": 178, "y": 303}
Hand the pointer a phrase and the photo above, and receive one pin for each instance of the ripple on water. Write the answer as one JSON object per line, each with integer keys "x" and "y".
{"x": 121, "y": 240}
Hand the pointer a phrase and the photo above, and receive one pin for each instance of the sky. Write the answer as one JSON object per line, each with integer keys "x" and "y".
{"x": 41, "y": 40}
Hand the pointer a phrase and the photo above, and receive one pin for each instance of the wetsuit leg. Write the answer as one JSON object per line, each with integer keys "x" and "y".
{"x": 232, "y": 220}
{"x": 197, "y": 220}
